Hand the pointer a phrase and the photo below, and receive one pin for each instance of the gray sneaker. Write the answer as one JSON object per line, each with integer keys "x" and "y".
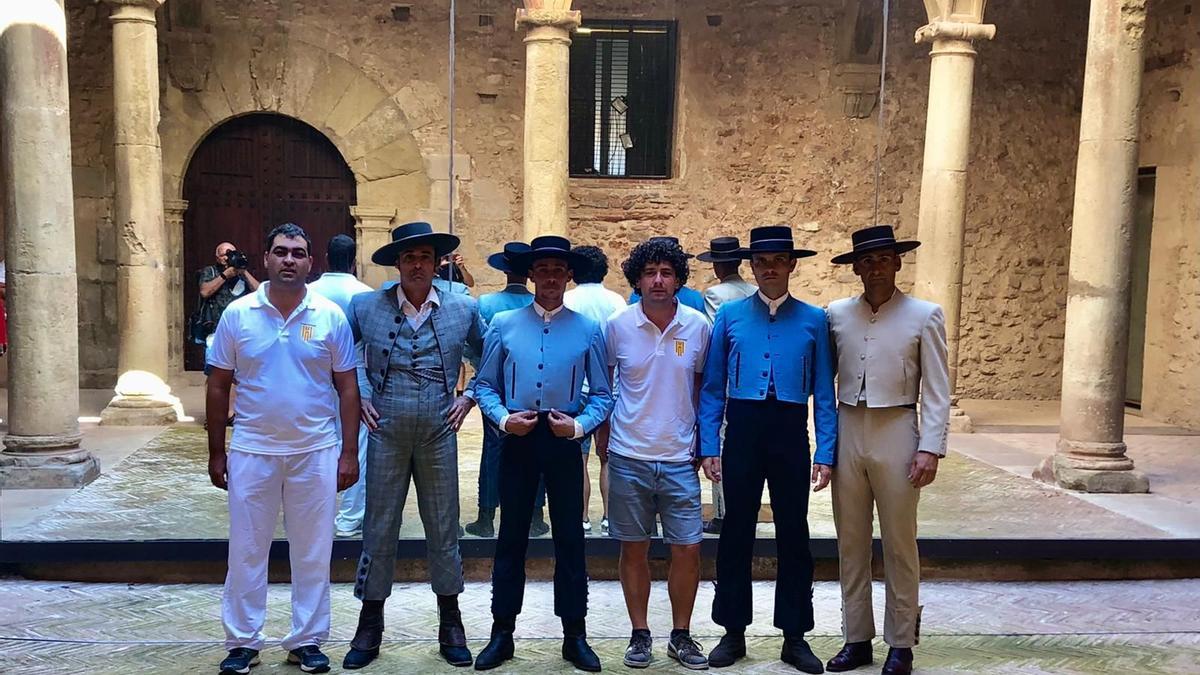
{"x": 637, "y": 654}
{"x": 687, "y": 652}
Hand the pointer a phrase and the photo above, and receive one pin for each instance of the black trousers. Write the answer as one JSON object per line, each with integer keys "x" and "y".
{"x": 765, "y": 441}
{"x": 524, "y": 460}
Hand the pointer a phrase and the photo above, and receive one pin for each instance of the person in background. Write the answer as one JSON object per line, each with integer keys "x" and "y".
{"x": 514, "y": 295}
{"x": 340, "y": 285}
{"x": 591, "y": 299}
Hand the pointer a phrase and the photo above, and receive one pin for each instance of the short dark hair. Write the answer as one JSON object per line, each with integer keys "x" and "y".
{"x": 340, "y": 253}
{"x": 288, "y": 230}
{"x": 597, "y": 267}
{"x": 655, "y": 251}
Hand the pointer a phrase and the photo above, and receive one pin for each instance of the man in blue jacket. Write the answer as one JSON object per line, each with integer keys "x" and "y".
{"x": 530, "y": 385}
{"x": 769, "y": 353}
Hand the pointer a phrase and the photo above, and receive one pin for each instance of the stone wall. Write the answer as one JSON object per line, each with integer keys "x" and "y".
{"x": 760, "y": 137}
{"x": 1170, "y": 141}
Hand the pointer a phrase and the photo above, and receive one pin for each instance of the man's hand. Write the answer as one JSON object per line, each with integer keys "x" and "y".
{"x": 923, "y": 470}
{"x": 458, "y": 412}
{"x": 600, "y": 440}
{"x": 562, "y": 425}
{"x": 218, "y": 470}
{"x": 370, "y": 416}
{"x": 712, "y": 468}
{"x": 347, "y": 470}
{"x": 820, "y": 476}
{"x": 520, "y": 424}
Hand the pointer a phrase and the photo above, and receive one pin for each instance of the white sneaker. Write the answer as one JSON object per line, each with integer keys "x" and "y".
{"x": 587, "y": 526}
{"x": 604, "y": 526}
{"x": 346, "y": 534}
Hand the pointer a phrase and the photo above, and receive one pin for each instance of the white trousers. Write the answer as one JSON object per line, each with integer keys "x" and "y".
{"x": 306, "y": 486}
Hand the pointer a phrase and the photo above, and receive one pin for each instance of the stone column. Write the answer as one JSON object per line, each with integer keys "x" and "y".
{"x": 953, "y": 25}
{"x": 41, "y": 448}
{"x": 1091, "y": 448}
{"x": 372, "y": 229}
{"x": 142, "y": 395}
{"x": 173, "y": 210}
{"x": 548, "y": 25}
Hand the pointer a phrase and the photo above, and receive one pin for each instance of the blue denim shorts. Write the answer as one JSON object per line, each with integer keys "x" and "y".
{"x": 639, "y": 489}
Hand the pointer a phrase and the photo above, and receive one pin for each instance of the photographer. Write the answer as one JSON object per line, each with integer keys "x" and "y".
{"x": 220, "y": 284}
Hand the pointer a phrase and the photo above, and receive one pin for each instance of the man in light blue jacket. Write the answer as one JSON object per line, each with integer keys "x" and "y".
{"x": 769, "y": 353}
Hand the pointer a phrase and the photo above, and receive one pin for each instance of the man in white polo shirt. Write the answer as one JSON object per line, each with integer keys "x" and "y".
{"x": 291, "y": 354}
{"x": 658, "y": 347}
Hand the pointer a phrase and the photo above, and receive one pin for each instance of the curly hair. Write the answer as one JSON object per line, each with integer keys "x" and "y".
{"x": 597, "y": 267}
{"x": 655, "y": 251}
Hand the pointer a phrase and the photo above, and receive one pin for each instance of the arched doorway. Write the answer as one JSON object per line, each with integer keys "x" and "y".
{"x": 249, "y": 175}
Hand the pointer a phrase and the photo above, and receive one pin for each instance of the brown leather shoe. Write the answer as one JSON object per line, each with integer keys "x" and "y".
{"x": 899, "y": 661}
{"x": 853, "y": 655}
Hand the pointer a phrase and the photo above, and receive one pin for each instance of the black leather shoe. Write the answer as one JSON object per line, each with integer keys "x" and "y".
{"x": 498, "y": 650}
{"x": 899, "y": 662}
{"x": 797, "y": 653}
{"x": 364, "y": 648}
{"x": 452, "y": 639}
{"x": 576, "y": 650}
{"x": 853, "y": 655}
{"x": 727, "y": 652}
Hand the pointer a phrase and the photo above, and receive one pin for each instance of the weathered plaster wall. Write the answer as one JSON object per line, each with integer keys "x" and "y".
{"x": 759, "y": 134}
{"x": 1170, "y": 140}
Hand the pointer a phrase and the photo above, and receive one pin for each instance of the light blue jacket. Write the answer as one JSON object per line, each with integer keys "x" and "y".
{"x": 748, "y": 348}
{"x": 514, "y": 296}
{"x": 686, "y": 296}
{"x": 531, "y": 364}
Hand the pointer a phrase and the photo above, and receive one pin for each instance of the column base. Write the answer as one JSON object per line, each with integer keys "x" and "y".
{"x": 1067, "y": 473}
{"x": 43, "y": 470}
{"x": 960, "y": 421}
{"x": 139, "y": 411}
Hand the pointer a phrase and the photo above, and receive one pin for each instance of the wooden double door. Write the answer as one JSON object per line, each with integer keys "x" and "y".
{"x": 249, "y": 175}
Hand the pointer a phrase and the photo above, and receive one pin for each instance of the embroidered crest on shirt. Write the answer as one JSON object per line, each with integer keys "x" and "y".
{"x": 680, "y": 346}
{"x": 306, "y": 331}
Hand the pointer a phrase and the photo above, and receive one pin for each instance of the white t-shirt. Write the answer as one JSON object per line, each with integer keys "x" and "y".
{"x": 655, "y": 414}
{"x": 283, "y": 372}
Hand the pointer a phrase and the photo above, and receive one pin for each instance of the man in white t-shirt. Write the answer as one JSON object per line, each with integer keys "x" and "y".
{"x": 292, "y": 354}
{"x": 658, "y": 348}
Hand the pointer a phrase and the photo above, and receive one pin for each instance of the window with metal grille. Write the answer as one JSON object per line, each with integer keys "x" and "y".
{"x": 622, "y": 99}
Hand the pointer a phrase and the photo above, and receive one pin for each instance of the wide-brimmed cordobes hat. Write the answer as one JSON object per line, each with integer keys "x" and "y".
{"x": 773, "y": 239}
{"x": 722, "y": 249}
{"x": 502, "y": 260}
{"x": 549, "y": 246}
{"x": 414, "y": 234}
{"x": 874, "y": 238}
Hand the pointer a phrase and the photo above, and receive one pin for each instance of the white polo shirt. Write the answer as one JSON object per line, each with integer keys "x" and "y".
{"x": 283, "y": 372}
{"x": 655, "y": 414}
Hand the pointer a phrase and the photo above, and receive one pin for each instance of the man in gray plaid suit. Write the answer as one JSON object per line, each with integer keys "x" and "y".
{"x": 414, "y": 340}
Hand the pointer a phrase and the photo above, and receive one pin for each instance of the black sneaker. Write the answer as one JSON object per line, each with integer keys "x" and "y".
{"x": 687, "y": 652}
{"x": 239, "y": 661}
{"x": 309, "y": 658}
{"x": 637, "y": 654}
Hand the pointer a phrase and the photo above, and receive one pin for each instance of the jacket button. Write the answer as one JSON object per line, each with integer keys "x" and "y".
{"x": 767, "y": 355}
{"x": 764, "y": 373}
{"x": 539, "y": 385}
{"x": 540, "y": 366}
{"x": 862, "y": 357}
{"x": 538, "y": 402}
{"x": 546, "y": 331}
{"x": 392, "y": 335}
{"x": 397, "y": 319}
{"x": 385, "y": 352}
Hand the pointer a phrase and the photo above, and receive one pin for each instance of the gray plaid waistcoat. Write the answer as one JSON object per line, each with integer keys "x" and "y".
{"x": 376, "y": 320}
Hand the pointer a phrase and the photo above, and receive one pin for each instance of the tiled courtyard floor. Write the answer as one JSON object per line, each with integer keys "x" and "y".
{"x": 1017, "y": 628}
{"x": 161, "y": 491}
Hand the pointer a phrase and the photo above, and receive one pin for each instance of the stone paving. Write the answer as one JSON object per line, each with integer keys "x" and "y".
{"x": 969, "y": 627}
{"x": 161, "y": 491}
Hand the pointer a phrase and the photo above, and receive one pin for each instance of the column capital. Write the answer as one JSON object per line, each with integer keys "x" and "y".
{"x": 373, "y": 217}
{"x": 137, "y": 11}
{"x": 564, "y": 19}
{"x": 954, "y": 30}
{"x": 175, "y": 207}
{"x": 959, "y": 11}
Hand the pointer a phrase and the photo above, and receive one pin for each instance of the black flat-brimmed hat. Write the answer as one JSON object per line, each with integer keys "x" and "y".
{"x": 671, "y": 240}
{"x": 722, "y": 249}
{"x": 502, "y": 260}
{"x": 773, "y": 239}
{"x": 409, "y": 235}
{"x": 872, "y": 239}
{"x": 549, "y": 246}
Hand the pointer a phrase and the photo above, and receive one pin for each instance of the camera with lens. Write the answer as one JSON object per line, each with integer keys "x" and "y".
{"x": 237, "y": 260}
